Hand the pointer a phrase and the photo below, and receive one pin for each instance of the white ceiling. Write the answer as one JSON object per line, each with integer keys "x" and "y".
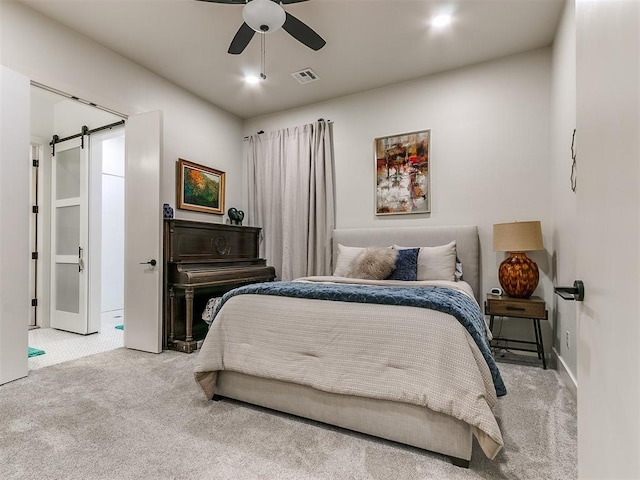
{"x": 370, "y": 43}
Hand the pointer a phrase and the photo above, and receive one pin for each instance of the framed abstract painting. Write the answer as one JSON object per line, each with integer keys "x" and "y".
{"x": 200, "y": 188}
{"x": 402, "y": 173}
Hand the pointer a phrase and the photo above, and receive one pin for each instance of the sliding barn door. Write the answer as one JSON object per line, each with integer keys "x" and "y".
{"x": 69, "y": 236}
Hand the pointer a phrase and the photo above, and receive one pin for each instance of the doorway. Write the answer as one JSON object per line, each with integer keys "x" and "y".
{"x": 78, "y": 271}
{"x": 108, "y": 150}
{"x": 143, "y": 223}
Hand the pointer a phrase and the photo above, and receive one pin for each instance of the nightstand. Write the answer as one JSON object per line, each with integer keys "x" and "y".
{"x": 532, "y": 308}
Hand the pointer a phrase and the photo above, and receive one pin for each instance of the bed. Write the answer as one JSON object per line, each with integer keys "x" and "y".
{"x": 405, "y": 372}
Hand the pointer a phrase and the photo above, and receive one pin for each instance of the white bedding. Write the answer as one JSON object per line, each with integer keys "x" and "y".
{"x": 398, "y": 353}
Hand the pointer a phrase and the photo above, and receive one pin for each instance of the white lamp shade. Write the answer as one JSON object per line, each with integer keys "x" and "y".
{"x": 264, "y": 16}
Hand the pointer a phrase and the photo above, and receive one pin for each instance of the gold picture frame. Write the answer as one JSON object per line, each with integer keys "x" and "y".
{"x": 402, "y": 179}
{"x": 200, "y": 188}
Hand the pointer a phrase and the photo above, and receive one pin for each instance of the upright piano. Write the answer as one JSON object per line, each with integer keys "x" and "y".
{"x": 204, "y": 260}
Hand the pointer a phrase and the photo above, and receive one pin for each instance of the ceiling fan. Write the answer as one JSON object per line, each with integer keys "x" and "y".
{"x": 267, "y": 16}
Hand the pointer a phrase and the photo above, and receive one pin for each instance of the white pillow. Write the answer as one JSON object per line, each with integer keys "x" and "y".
{"x": 346, "y": 255}
{"x": 436, "y": 263}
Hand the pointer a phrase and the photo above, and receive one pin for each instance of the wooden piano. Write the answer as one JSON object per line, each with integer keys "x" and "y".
{"x": 204, "y": 260}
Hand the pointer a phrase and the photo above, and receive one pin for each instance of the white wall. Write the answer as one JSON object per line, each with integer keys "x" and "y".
{"x": 69, "y": 116}
{"x": 51, "y": 54}
{"x": 41, "y": 114}
{"x": 563, "y": 221}
{"x": 490, "y": 132}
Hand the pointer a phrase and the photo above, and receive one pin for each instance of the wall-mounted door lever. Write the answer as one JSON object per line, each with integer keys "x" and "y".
{"x": 151, "y": 262}
{"x": 572, "y": 293}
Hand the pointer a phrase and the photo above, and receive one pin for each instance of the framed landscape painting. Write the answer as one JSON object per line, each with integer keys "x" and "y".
{"x": 402, "y": 173}
{"x": 200, "y": 188}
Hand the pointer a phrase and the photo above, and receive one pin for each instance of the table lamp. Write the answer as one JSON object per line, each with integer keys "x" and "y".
{"x": 518, "y": 274}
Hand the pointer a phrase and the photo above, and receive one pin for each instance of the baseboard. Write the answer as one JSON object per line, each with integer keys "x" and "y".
{"x": 565, "y": 374}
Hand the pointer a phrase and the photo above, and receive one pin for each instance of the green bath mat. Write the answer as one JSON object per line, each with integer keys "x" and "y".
{"x": 120, "y": 327}
{"x": 34, "y": 352}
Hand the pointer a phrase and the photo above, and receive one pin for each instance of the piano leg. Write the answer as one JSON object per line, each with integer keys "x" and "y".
{"x": 190, "y": 344}
{"x": 188, "y": 296}
{"x": 172, "y": 314}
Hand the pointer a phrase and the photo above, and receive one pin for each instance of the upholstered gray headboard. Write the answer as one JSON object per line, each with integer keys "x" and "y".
{"x": 466, "y": 237}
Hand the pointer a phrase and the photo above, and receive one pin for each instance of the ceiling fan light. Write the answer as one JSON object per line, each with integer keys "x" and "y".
{"x": 264, "y": 16}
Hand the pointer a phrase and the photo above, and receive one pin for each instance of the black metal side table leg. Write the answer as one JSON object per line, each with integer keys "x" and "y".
{"x": 541, "y": 345}
{"x": 535, "y": 331}
{"x": 491, "y": 345}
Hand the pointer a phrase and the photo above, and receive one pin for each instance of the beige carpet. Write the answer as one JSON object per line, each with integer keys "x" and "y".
{"x": 130, "y": 415}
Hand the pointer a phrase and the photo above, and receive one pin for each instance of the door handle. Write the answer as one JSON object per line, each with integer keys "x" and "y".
{"x": 80, "y": 260}
{"x": 151, "y": 262}
{"x": 572, "y": 293}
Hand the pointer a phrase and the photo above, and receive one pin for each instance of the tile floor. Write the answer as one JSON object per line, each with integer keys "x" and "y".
{"x": 63, "y": 346}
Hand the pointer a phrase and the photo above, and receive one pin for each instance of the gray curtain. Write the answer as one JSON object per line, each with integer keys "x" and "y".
{"x": 291, "y": 197}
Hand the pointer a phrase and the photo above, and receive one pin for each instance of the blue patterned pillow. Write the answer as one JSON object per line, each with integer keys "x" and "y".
{"x": 406, "y": 265}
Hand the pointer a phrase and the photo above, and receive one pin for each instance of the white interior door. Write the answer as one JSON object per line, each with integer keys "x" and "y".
{"x": 143, "y": 233}
{"x": 14, "y": 219}
{"x": 608, "y": 239}
{"x": 69, "y": 236}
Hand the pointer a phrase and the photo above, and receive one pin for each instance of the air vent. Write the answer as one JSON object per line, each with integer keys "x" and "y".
{"x": 305, "y": 76}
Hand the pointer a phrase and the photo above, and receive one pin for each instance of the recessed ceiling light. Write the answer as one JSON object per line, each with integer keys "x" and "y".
{"x": 251, "y": 79}
{"x": 441, "y": 20}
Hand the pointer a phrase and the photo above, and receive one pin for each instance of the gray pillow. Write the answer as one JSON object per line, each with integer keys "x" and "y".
{"x": 375, "y": 263}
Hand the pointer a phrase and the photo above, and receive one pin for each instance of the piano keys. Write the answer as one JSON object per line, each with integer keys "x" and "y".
{"x": 203, "y": 260}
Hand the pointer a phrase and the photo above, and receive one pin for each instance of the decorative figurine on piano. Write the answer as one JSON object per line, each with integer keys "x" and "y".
{"x": 167, "y": 211}
{"x": 235, "y": 216}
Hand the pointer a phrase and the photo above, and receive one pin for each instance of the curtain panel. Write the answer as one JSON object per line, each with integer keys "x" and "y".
{"x": 291, "y": 197}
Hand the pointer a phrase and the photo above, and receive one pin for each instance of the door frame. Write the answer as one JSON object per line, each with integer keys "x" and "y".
{"x": 14, "y": 250}
{"x": 39, "y": 227}
{"x": 148, "y": 336}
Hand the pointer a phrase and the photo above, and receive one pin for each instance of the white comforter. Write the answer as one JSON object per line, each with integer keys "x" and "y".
{"x": 398, "y": 353}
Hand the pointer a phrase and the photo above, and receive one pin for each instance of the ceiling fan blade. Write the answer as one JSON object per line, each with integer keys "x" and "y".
{"x": 238, "y": 2}
{"x": 241, "y": 40}
{"x": 286, "y": 2}
{"x": 303, "y": 33}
